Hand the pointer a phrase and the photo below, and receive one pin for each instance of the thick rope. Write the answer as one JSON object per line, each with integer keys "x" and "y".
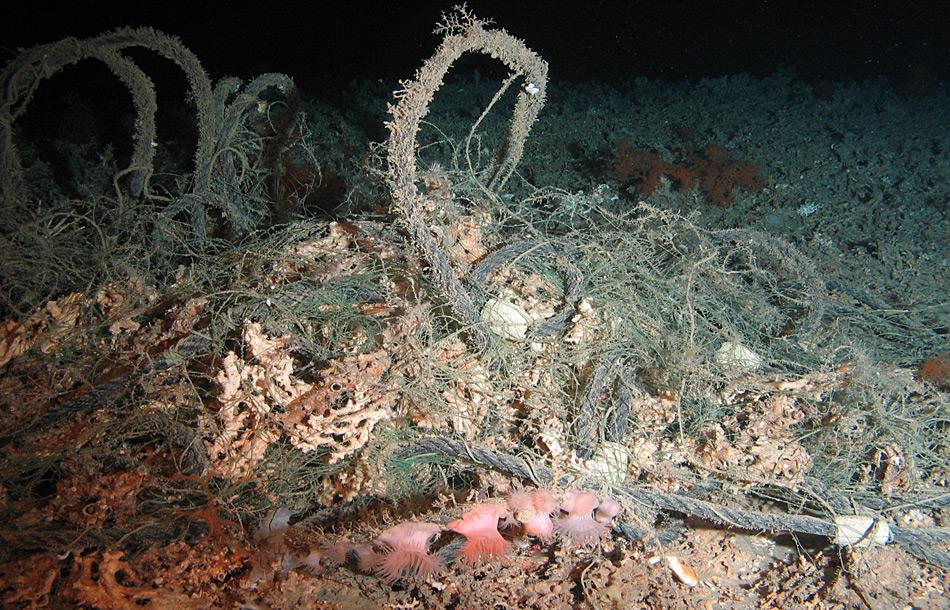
{"x": 109, "y": 390}
{"x": 573, "y": 281}
{"x": 923, "y": 543}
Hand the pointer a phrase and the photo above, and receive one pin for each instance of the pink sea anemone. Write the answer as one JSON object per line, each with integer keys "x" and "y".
{"x": 406, "y": 551}
{"x": 366, "y": 557}
{"x": 309, "y": 562}
{"x": 336, "y": 552}
{"x": 608, "y": 509}
{"x": 480, "y": 528}
{"x": 533, "y": 509}
{"x": 578, "y": 524}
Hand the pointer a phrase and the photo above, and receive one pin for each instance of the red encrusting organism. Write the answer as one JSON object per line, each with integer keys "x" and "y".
{"x": 720, "y": 175}
{"x": 480, "y": 528}
{"x": 578, "y": 524}
{"x": 716, "y": 172}
{"x": 644, "y": 168}
{"x": 533, "y": 510}
{"x": 936, "y": 370}
{"x": 406, "y": 551}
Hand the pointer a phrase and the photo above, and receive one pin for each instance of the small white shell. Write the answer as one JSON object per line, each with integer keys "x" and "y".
{"x": 737, "y": 358}
{"x": 861, "y": 530}
{"x": 506, "y": 319}
{"x": 610, "y": 461}
{"x": 683, "y": 572}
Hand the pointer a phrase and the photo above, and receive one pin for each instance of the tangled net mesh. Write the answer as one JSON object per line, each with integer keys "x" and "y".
{"x": 290, "y": 365}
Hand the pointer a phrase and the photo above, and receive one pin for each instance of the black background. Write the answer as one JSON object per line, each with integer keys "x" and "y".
{"x": 328, "y": 43}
